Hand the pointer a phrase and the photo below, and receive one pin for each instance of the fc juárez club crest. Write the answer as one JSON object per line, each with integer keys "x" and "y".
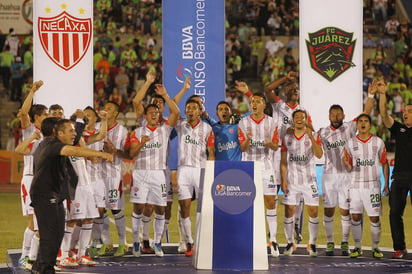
{"x": 330, "y": 51}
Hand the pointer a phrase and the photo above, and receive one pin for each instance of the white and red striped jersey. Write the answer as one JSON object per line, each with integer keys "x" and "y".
{"x": 154, "y": 153}
{"x": 28, "y": 159}
{"x": 79, "y": 166}
{"x": 333, "y": 142}
{"x": 301, "y": 166}
{"x": 94, "y": 168}
{"x": 117, "y": 134}
{"x": 193, "y": 142}
{"x": 262, "y": 130}
{"x": 366, "y": 157}
{"x": 284, "y": 112}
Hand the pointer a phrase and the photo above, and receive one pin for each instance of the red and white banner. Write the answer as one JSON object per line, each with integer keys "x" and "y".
{"x": 63, "y": 53}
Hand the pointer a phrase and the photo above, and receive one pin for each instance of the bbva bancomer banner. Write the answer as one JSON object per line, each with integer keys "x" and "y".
{"x": 63, "y": 53}
{"x": 194, "y": 46}
{"x": 331, "y": 37}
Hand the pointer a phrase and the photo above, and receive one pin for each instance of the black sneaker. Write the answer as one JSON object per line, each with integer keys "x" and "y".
{"x": 146, "y": 249}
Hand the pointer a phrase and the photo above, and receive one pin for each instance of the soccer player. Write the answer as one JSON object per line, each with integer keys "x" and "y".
{"x": 116, "y": 143}
{"x": 82, "y": 210}
{"x": 364, "y": 155}
{"x": 172, "y": 160}
{"x": 150, "y": 146}
{"x": 402, "y": 174}
{"x": 94, "y": 167}
{"x": 227, "y": 146}
{"x": 298, "y": 173}
{"x": 336, "y": 179}
{"x": 31, "y": 118}
{"x": 194, "y": 138}
{"x": 257, "y": 135}
{"x": 284, "y": 110}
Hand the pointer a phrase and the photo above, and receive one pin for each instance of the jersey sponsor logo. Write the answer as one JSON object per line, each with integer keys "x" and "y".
{"x": 367, "y": 162}
{"x": 156, "y": 145}
{"x": 65, "y": 38}
{"x": 190, "y": 140}
{"x": 335, "y": 145}
{"x": 257, "y": 143}
{"x": 330, "y": 51}
{"x": 226, "y": 146}
{"x": 298, "y": 158}
{"x": 287, "y": 121}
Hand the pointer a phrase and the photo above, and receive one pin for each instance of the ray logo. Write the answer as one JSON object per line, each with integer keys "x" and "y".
{"x": 182, "y": 73}
{"x": 330, "y": 51}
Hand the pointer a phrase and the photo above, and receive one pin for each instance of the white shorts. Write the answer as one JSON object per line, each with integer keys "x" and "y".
{"x": 83, "y": 205}
{"x": 336, "y": 190}
{"x": 370, "y": 199}
{"x": 99, "y": 191}
{"x": 269, "y": 183}
{"x": 25, "y": 195}
{"x": 309, "y": 193}
{"x": 169, "y": 185}
{"x": 149, "y": 186}
{"x": 114, "y": 193}
{"x": 188, "y": 179}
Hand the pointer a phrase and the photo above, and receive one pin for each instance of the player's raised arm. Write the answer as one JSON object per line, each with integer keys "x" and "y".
{"x": 24, "y": 111}
{"x": 271, "y": 96}
{"x": 174, "y": 110}
{"x": 386, "y": 118}
{"x": 185, "y": 88}
{"x": 137, "y": 101}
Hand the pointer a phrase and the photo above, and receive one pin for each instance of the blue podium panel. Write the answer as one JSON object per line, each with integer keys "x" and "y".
{"x": 231, "y": 231}
{"x": 233, "y": 194}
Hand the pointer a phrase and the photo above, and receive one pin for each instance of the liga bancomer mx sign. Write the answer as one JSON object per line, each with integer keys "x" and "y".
{"x": 330, "y": 51}
{"x": 65, "y": 38}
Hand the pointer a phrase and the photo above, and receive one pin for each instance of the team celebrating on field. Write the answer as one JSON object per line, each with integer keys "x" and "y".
{"x": 90, "y": 146}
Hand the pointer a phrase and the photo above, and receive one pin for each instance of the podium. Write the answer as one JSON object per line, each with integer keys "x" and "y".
{"x": 230, "y": 227}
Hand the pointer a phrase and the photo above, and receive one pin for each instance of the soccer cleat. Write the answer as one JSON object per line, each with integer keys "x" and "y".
{"x": 329, "y": 249}
{"x": 68, "y": 263}
{"x": 182, "y": 247}
{"x": 377, "y": 254}
{"x": 105, "y": 249}
{"x": 158, "y": 250}
{"x": 288, "y": 249}
{"x": 121, "y": 249}
{"x": 312, "y": 251}
{"x": 298, "y": 236}
{"x": 24, "y": 263}
{"x": 345, "y": 248}
{"x": 146, "y": 249}
{"x": 357, "y": 252}
{"x": 399, "y": 254}
{"x": 73, "y": 253}
{"x": 87, "y": 261}
{"x": 136, "y": 249}
{"x": 274, "y": 250}
{"x": 189, "y": 250}
{"x": 59, "y": 256}
{"x": 93, "y": 253}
